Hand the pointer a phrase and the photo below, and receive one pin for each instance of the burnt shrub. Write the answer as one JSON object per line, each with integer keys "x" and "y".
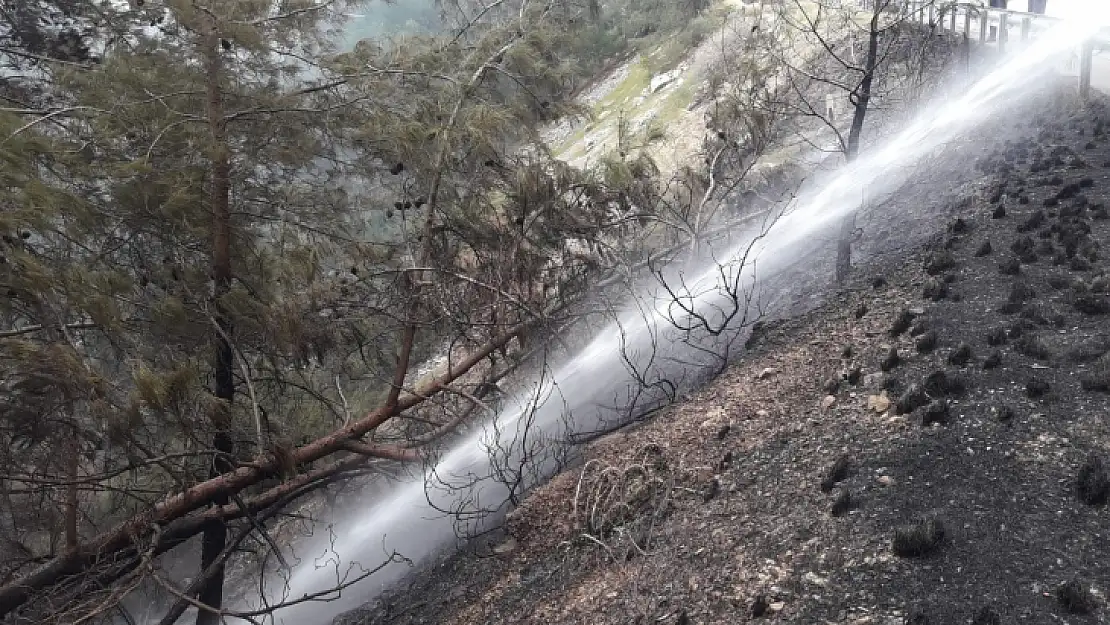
{"x": 836, "y": 473}
{"x": 1037, "y": 387}
{"x": 844, "y": 503}
{"x": 901, "y": 323}
{"x": 984, "y": 249}
{"x": 986, "y": 616}
{"x": 913, "y": 398}
{"x": 1010, "y": 267}
{"x": 927, "y": 342}
{"x": 993, "y": 361}
{"x": 1033, "y": 346}
{"x": 996, "y": 336}
{"x": 999, "y": 212}
{"x": 1092, "y": 485}
{"x": 1034, "y": 221}
{"x": 1020, "y": 292}
{"x": 940, "y": 262}
{"x": 1091, "y": 304}
{"x": 1068, "y": 191}
{"x": 1098, "y": 378}
{"x": 891, "y": 360}
{"x": 1022, "y": 246}
{"x": 1075, "y": 597}
{"x": 1003, "y": 413}
{"x": 919, "y": 539}
{"x": 940, "y": 383}
{"x": 1045, "y": 248}
{"x": 958, "y": 226}
{"x": 917, "y": 617}
{"x": 892, "y": 385}
{"x": 854, "y": 375}
{"x": 934, "y": 290}
{"x": 1058, "y": 281}
{"x": 935, "y": 412}
{"x": 961, "y": 355}
{"x": 1090, "y": 350}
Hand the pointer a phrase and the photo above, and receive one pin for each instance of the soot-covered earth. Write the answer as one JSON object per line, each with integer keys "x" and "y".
{"x": 931, "y": 444}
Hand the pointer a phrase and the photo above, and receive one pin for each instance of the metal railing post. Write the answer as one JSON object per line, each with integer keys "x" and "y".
{"x": 1026, "y": 23}
{"x": 984, "y": 18}
{"x": 1003, "y": 31}
{"x": 1086, "y": 62}
{"x": 952, "y": 19}
{"x": 967, "y": 24}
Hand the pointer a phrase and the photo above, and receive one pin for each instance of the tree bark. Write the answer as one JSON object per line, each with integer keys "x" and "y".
{"x": 215, "y": 533}
{"x": 861, "y": 97}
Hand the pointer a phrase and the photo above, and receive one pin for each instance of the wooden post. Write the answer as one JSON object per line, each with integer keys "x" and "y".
{"x": 967, "y": 24}
{"x": 1003, "y": 28}
{"x": 1086, "y": 61}
{"x": 932, "y": 14}
{"x": 952, "y": 18}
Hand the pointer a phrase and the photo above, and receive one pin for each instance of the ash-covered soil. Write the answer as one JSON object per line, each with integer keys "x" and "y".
{"x": 928, "y": 445}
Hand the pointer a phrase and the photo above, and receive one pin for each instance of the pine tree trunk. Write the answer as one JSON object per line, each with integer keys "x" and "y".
{"x": 862, "y": 99}
{"x": 215, "y": 535}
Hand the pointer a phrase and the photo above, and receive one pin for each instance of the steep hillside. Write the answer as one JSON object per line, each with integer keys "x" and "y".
{"x": 926, "y": 445}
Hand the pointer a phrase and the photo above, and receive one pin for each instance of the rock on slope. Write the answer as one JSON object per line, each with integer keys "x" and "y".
{"x": 965, "y": 483}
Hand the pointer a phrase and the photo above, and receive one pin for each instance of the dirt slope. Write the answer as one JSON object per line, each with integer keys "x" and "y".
{"x": 722, "y": 509}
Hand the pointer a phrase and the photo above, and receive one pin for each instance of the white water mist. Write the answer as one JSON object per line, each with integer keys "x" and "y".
{"x": 597, "y": 384}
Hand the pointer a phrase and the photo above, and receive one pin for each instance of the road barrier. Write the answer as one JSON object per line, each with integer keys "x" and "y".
{"x": 997, "y": 27}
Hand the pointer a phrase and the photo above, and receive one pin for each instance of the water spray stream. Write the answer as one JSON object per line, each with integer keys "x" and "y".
{"x": 405, "y": 520}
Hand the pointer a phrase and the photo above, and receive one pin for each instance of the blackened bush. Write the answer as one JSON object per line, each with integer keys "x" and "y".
{"x": 940, "y": 262}
{"x": 844, "y": 503}
{"x": 961, "y": 355}
{"x": 901, "y": 323}
{"x": 891, "y": 360}
{"x": 984, "y": 249}
{"x": 996, "y": 336}
{"x": 1075, "y": 597}
{"x": 1003, "y": 413}
{"x": 1059, "y": 281}
{"x": 918, "y": 540}
{"x": 1098, "y": 378}
{"x": 1091, "y": 304}
{"x": 934, "y": 290}
{"x": 1010, "y": 267}
{"x": 986, "y": 616}
{"x": 1033, "y": 346}
{"x": 935, "y": 412}
{"x": 1034, "y": 221}
{"x": 854, "y": 376}
{"x": 943, "y": 384}
{"x": 993, "y": 361}
{"x": 1036, "y": 387}
{"x": 1023, "y": 248}
{"x": 999, "y": 212}
{"x": 1092, "y": 485}
{"x": 927, "y": 342}
{"x": 1020, "y": 292}
{"x": 913, "y": 398}
{"x": 836, "y": 473}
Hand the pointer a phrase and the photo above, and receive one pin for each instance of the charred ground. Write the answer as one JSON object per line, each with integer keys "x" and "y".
{"x": 928, "y": 445}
